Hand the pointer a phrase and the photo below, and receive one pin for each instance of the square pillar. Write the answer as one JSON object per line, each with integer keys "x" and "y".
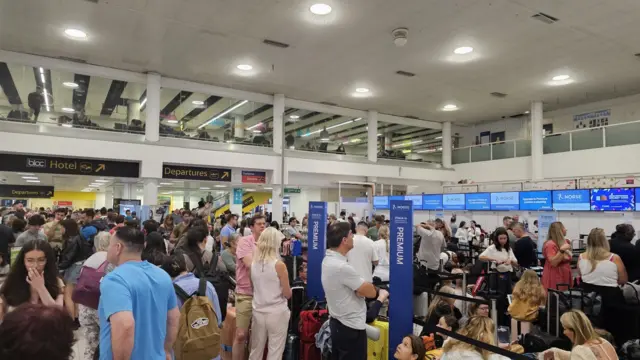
{"x": 372, "y": 136}
{"x": 536, "y": 140}
{"x": 446, "y": 144}
{"x": 278, "y": 124}
{"x": 152, "y": 125}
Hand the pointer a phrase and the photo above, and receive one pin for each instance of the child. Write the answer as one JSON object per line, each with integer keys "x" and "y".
{"x": 435, "y": 341}
{"x": 528, "y": 296}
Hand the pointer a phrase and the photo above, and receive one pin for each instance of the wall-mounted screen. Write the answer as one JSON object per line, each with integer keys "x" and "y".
{"x": 535, "y": 200}
{"x": 478, "y": 201}
{"x": 453, "y": 201}
{"x": 396, "y": 197}
{"x": 505, "y": 201}
{"x": 617, "y": 199}
{"x": 637, "y": 199}
{"x": 381, "y": 202}
{"x": 432, "y": 202}
{"x": 416, "y": 200}
{"x": 571, "y": 200}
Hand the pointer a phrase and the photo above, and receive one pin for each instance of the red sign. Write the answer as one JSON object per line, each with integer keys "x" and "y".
{"x": 254, "y": 177}
{"x": 65, "y": 203}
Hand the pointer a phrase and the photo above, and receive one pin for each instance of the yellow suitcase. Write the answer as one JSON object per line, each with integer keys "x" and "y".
{"x": 379, "y": 350}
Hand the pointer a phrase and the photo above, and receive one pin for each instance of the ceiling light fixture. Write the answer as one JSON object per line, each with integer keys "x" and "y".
{"x": 67, "y": 125}
{"x": 450, "y": 107}
{"x": 408, "y": 143}
{"x": 257, "y": 131}
{"x": 526, "y": 112}
{"x": 249, "y": 189}
{"x": 197, "y": 102}
{"x": 463, "y": 50}
{"x": 223, "y": 113}
{"x": 166, "y": 184}
{"x": 294, "y": 116}
{"x": 46, "y": 99}
{"x": 42, "y": 76}
{"x": 205, "y": 188}
{"x": 68, "y": 110}
{"x": 173, "y": 121}
{"x": 561, "y": 77}
{"x": 219, "y": 186}
{"x": 33, "y": 181}
{"x": 101, "y": 181}
{"x": 30, "y": 177}
{"x": 28, "y": 174}
{"x": 144, "y": 101}
{"x": 245, "y": 67}
{"x": 362, "y": 90}
{"x": 320, "y": 9}
{"x": 76, "y": 34}
{"x": 329, "y": 128}
{"x": 70, "y": 84}
{"x": 438, "y": 137}
{"x": 268, "y": 188}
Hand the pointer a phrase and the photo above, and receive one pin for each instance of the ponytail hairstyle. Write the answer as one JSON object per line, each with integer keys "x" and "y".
{"x": 383, "y": 233}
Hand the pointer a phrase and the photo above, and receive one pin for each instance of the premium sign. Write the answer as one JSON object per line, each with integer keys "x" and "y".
{"x": 195, "y": 173}
{"x": 26, "y": 191}
{"x": 254, "y": 177}
{"x": 317, "y": 246}
{"x": 69, "y": 166}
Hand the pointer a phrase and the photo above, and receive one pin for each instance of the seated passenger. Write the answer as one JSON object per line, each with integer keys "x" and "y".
{"x": 528, "y": 296}
{"x": 411, "y": 348}
{"x": 441, "y": 306}
{"x": 587, "y": 344}
{"x": 478, "y": 328}
{"x": 475, "y": 309}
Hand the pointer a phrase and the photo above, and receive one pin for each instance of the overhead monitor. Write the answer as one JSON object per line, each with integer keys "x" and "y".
{"x": 478, "y": 201}
{"x": 396, "y": 197}
{"x": 616, "y": 199}
{"x": 571, "y": 200}
{"x": 453, "y": 201}
{"x": 505, "y": 201}
{"x": 536, "y": 200}
{"x": 416, "y": 200}
{"x": 381, "y": 202}
{"x": 432, "y": 202}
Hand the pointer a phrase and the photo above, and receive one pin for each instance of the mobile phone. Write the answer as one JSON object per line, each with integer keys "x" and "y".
{"x": 510, "y": 298}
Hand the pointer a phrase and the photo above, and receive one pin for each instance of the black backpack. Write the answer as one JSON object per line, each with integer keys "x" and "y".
{"x": 219, "y": 279}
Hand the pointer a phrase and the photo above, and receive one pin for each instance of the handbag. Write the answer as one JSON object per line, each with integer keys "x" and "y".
{"x": 87, "y": 290}
{"x": 631, "y": 292}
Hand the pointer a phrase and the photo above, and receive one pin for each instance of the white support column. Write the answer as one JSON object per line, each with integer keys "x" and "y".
{"x": 372, "y": 136}
{"x": 536, "y": 140}
{"x": 133, "y": 110}
{"x": 126, "y": 191}
{"x": 278, "y": 113}
{"x": 446, "y": 144}
{"x": 185, "y": 199}
{"x": 152, "y": 126}
{"x": 276, "y": 204}
{"x": 150, "y": 192}
{"x": 238, "y": 127}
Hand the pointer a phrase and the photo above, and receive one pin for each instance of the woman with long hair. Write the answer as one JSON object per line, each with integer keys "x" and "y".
{"x": 479, "y": 328}
{"x": 167, "y": 224}
{"x": 528, "y": 296}
{"x": 243, "y": 229}
{"x": 33, "y": 279}
{"x": 381, "y": 246}
{"x": 441, "y": 306}
{"x": 154, "y": 242}
{"x": 557, "y": 254}
{"x": 75, "y": 250}
{"x": 597, "y": 265}
{"x": 270, "y": 293}
{"x": 587, "y": 344}
{"x": 195, "y": 253}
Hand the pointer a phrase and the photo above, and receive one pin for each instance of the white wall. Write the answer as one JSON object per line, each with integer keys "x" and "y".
{"x": 299, "y": 203}
{"x": 101, "y": 200}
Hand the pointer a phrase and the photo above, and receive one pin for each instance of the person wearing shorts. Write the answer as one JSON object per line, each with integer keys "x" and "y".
{"x": 244, "y": 290}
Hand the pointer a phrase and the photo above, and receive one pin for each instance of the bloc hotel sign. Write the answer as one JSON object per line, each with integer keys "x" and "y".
{"x": 68, "y": 166}
{"x": 195, "y": 173}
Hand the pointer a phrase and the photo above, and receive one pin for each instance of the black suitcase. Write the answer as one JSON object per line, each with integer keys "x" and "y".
{"x": 292, "y": 345}
{"x": 292, "y": 348}
{"x": 539, "y": 341}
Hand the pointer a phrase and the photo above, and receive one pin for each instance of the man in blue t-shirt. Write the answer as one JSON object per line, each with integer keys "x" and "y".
{"x": 138, "y": 308}
{"x": 227, "y": 230}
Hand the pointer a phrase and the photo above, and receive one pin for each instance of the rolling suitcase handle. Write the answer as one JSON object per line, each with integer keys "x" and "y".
{"x": 557, "y": 295}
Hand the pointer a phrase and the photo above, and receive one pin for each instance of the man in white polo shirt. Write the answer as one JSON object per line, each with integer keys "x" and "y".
{"x": 363, "y": 257}
{"x": 345, "y": 291}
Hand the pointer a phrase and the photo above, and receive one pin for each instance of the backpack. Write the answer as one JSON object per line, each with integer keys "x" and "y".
{"x": 219, "y": 280}
{"x": 198, "y": 332}
{"x": 87, "y": 290}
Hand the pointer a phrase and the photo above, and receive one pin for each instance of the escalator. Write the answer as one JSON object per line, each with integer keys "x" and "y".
{"x": 250, "y": 200}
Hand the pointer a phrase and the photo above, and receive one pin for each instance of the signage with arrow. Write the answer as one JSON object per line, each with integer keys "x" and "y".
{"x": 195, "y": 173}
{"x": 26, "y": 191}
{"x": 68, "y": 166}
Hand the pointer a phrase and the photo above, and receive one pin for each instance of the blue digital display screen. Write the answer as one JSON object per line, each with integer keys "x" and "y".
{"x": 453, "y": 201}
{"x": 505, "y": 201}
{"x": 416, "y": 200}
{"x": 535, "y": 200}
{"x": 381, "y": 202}
{"x": 432, "y": 202}
{"x": 617, "y": 199}
{"x": 637, "y": 199}
{"x": 478, "y": 201}
{"x": 396, "y": 197}
{"x": 571, "y": 200}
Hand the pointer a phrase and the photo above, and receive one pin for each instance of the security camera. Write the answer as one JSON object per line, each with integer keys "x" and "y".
{"x": 400, "y": 36}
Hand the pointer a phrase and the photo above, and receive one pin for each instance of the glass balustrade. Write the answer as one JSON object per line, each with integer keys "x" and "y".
{"x": 556, "y": 143}
{"x": 623, "y": 134}
{"x": 504, "y": 150}
{"x": 586, "y": 139}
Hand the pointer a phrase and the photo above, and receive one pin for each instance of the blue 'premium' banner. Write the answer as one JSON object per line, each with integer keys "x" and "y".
{"x": 400, "y": 273}
{"x": 317, "y": 247}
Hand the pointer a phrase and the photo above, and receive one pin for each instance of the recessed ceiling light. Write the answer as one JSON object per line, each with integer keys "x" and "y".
{"x": 249, "y": 189}
{"x": 76, "y": 34}
{"x": 197, "y": 102}
{"x": 219, "y": 186}
{"x": 166, "y": 184}
{"x": 30, "y": 177}
{"x": 173, "y": 121}
{"x": 101, "y": 181}
{"x": 67, "y": 125}
{"x": 33, "y": 181}
{"x": 560, "y": 77}
{"x": 463, "y": 50}
{"x": 294, "y": 117}
{"x": 320, "y": 9}
{"x": 70, "y": 84}
{"x": 68, "y": 110}
{"x": 268, "y": 188}
{"x": 245, "y": 67}
{"x": 362, "y": 90}
{"x": 205, "y": 188}
{"x": 450, "y": 107}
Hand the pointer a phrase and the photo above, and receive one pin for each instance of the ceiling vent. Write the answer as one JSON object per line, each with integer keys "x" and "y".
{"x": 275, "y": 43}
{"x": 412, "y": 117}
{"x": 405, "y": 73}
{"x": 547, "y": 19}
{"x": 499, "y": 95}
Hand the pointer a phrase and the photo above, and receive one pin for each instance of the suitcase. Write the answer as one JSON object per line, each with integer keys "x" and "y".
{"x": 228, "y": 333}
{"x": 379, "y": 350}
{"x": 292, "y": 345}
{"x": 539, "y": 341}
{"x": 310, "y": 323}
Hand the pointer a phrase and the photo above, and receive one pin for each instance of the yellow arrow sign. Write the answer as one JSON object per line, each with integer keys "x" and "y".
{"x": 101, "y": 167}
{"x": 225, "y": 175}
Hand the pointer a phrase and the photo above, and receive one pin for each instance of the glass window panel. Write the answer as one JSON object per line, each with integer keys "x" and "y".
{"x": 481, "y": 153}
{"x": 624, "y": 134}
{"x": 586, "y": 139}
{"x": 556, "y": 143}
{"x": 503, "y": 150}
{"x": 460, "y": 156}
{"x": 523, "y": 148}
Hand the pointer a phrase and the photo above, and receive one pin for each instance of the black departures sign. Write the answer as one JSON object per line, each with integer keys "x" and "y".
{"x": 68, "y": 166}
{"x": 195, "y": 173}
{"x": 26, "y": 191}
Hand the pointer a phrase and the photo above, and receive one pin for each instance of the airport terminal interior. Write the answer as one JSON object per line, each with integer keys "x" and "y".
{"x": 477, "y": 154}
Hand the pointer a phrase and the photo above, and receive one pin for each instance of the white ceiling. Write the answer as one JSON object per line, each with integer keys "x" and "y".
{"x": 203, "y": 40}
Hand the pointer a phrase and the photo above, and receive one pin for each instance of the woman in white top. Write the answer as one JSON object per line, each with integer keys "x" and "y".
{"x": 271, "y": 290}
{"x": 243, "y": 229}
{"x": 463, "y": 232}
{"x": 598, "y": 266}
{"x": 479, "y": 328}
{"x": 500, "y": 253}
{"x": 381, "y": 246}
